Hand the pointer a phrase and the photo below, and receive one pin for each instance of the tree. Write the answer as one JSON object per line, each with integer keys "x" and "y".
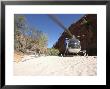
{"x": 19, "y": 41}
{"x": 27, "y": 37}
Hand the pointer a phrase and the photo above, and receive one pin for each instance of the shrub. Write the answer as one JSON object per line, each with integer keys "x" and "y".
{"x": 53, "y": 52}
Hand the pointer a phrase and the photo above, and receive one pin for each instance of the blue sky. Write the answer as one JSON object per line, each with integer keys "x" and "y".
{"x": 44, "y": 23}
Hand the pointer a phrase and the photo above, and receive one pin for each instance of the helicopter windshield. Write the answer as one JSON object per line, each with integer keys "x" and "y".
{"x": 74, "y": 43}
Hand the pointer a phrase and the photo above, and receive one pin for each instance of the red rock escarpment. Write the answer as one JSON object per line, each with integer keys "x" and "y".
{"x": 85, "y": 32}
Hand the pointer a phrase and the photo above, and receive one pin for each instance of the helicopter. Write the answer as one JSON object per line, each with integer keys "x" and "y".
{"x": 72, "y": 44}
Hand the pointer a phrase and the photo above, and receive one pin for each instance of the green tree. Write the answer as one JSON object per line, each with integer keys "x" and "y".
{"x": 53, "y": 52}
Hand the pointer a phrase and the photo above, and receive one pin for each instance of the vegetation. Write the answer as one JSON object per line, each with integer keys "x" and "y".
{"x": 28, "y": 38}
{"x": 53, "y": 52}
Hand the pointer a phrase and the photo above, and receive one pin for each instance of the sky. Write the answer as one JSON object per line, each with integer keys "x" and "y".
{"x": 49, "y": 27}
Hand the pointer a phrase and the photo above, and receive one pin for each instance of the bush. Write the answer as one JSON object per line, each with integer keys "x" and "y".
{"x": 27, "y": 37}
{"x": 53, "y": 52}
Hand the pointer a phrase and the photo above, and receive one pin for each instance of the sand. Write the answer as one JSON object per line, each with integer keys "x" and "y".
{"x": 56, "y": 66}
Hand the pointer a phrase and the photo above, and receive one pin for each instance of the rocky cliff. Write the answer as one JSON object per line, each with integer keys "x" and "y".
{"x": 86, "y": 31}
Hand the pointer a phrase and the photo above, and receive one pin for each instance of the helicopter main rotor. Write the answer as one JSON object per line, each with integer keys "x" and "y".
{"x": 58, "y": 22}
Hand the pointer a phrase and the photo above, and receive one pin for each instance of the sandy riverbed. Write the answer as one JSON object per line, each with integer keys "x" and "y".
{"x": 56, "y": 66}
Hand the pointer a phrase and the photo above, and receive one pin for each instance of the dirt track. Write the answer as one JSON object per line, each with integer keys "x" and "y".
{"x": 56, "y": 66}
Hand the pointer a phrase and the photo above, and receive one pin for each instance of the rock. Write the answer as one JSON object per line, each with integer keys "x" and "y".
{"x": 86, "y": 33}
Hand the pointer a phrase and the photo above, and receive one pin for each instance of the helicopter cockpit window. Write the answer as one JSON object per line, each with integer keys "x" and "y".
{"x": 74, "y": 43}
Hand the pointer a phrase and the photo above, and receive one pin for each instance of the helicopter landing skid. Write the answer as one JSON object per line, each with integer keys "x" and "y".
{"x": 84, "y": 52}
{"x": 66, "y": 54}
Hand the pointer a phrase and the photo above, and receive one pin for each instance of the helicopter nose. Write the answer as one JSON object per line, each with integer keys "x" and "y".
{"x": 75, "y": 43}
{"x": 66, "y": 38}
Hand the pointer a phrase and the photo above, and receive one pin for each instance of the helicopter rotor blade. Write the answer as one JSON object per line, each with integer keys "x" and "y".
{"x": 58, "y": 22}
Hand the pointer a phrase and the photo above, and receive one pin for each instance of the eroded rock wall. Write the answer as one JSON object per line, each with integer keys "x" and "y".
{"x": 86, "y": 33}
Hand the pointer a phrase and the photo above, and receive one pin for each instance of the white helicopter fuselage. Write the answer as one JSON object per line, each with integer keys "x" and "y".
{"x": 71, "y": 50}
{"x": 75, "y": 49}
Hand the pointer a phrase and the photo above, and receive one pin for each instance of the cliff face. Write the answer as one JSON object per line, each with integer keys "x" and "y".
{"x": 86, "y": 31}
